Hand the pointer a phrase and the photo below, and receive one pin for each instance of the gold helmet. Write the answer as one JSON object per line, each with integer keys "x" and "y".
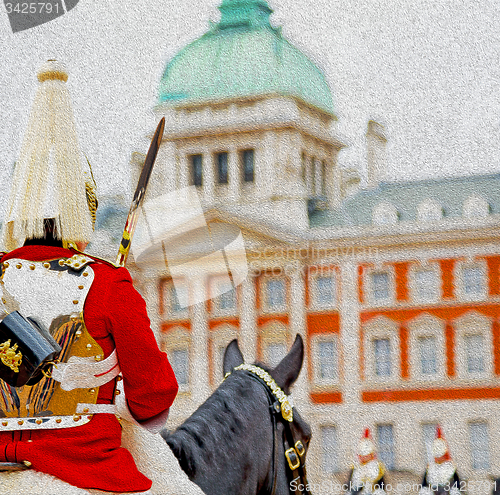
{"x": 49, "y": 179}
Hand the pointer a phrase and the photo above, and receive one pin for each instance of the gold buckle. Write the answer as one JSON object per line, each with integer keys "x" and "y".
{"x": 290, "y": 454}
{"x": 48, "y": 374}
{"x": 299, "y": 447}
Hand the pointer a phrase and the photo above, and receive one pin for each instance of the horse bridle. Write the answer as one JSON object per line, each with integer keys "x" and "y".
{"x": 281, "y": 409}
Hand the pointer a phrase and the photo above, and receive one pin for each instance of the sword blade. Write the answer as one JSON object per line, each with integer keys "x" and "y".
{"x": 139, "y": 194}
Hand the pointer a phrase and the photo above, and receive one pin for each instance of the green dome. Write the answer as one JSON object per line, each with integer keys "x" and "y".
{"x": 243, "y": 56}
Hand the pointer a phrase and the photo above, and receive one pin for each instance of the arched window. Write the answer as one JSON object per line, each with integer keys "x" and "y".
{"x": 474, "y": 347}
{"x": 476, "y": 207}
{"x": 427, "y": 348}
{"x": 385, "y": 214}
{"x": 381, "y": 344}
{"x": 429, "y": 210}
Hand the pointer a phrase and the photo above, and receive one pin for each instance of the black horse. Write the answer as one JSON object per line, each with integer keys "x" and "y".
{"x": 238, "y": 442}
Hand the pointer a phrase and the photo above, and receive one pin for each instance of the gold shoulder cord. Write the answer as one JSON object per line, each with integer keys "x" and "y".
{"x": 284, "y": 400}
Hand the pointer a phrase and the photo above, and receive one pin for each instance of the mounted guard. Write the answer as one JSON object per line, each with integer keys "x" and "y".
{"x": 74, "y": 334}
{"x": 441, "y": 475}
{"x": 367, "y": 476}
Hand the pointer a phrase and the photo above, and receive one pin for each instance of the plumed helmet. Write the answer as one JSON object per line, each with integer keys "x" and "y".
{"x": 49, "y": 177}
{"x": 440, "y": 450}
{"x": 366, "y": 447}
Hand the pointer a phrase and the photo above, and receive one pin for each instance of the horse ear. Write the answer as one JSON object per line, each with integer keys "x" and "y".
{"x": 288, "y": 369}
{"x": 232, "y": 357}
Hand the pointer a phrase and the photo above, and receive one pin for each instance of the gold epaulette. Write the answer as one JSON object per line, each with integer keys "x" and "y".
{"x": 95, "y": 258}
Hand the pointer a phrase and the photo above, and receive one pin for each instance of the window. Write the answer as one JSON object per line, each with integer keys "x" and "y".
{"x": 386, "y": 451}
{"x": 227, "y": 300}
{"x": 327, "y": 361}
{"x": 385, "y": 214}
{"x": 473, "y": 280}
{"x": 330, "y": 447}
{"x": 223, "y": 295}
{"x": 325, "y": 290}
{"x": 427, "y": 348}
{"x": 475, "y": 349}
{"x": 380, "y": 286}
{"x": 476, "y": 207}
{"x": 428, "y": 435}
{"x": 196, "y": 170}
{"x": 474, "y": 353}
{"x": 275, "y": 353}
{"x": 426, "y": 285}
{"x": 222, "y": 171}
{"x": 275, "y": 294}
{"x": 429, "y": 211}
{"x": 479, "y": 445}
{"x": 176, "y": 306}
{"x": 176, "y": 299}
{"x": 248, "y": 165}
{"x": 428, "y": 355}
{"x": 179, "y": 359}
{"x": 383, "y": 365}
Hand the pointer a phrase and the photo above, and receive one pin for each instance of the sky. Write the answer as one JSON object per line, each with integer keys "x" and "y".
{"x": 428, "y": 70}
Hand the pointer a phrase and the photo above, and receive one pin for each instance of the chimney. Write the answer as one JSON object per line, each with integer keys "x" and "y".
{"x": 375, "y": 153}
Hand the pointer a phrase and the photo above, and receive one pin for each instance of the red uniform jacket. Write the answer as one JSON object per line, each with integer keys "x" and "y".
{"x": 91, "y": 456}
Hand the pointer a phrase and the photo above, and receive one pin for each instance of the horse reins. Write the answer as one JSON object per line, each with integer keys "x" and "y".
{"x": 281, "y": 410}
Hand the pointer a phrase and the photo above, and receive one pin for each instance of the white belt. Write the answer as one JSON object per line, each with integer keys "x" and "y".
{"x": 85, "y": 372}
{"x": 83, "y": 408}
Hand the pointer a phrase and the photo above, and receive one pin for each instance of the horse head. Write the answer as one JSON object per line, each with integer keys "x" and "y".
{"x": 238, "y": 441}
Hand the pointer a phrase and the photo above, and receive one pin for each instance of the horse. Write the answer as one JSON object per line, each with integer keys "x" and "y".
{"x": 237, "y": 442}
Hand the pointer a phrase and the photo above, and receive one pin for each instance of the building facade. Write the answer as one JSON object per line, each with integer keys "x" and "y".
{"x": 395, "y": 287}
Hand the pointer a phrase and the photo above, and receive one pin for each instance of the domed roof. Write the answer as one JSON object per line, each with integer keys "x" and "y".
{"x": 243, "y": 56}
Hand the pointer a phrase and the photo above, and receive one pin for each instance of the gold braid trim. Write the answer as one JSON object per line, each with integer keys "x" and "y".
{"x": 91, "y": 195}
{"x": 284, "y": 400}
{"x": 92, "y": 201}
{"x": 53, "y": 74}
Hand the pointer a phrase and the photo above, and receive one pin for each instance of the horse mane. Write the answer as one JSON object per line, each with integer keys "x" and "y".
{"x": 219, "y": 421}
